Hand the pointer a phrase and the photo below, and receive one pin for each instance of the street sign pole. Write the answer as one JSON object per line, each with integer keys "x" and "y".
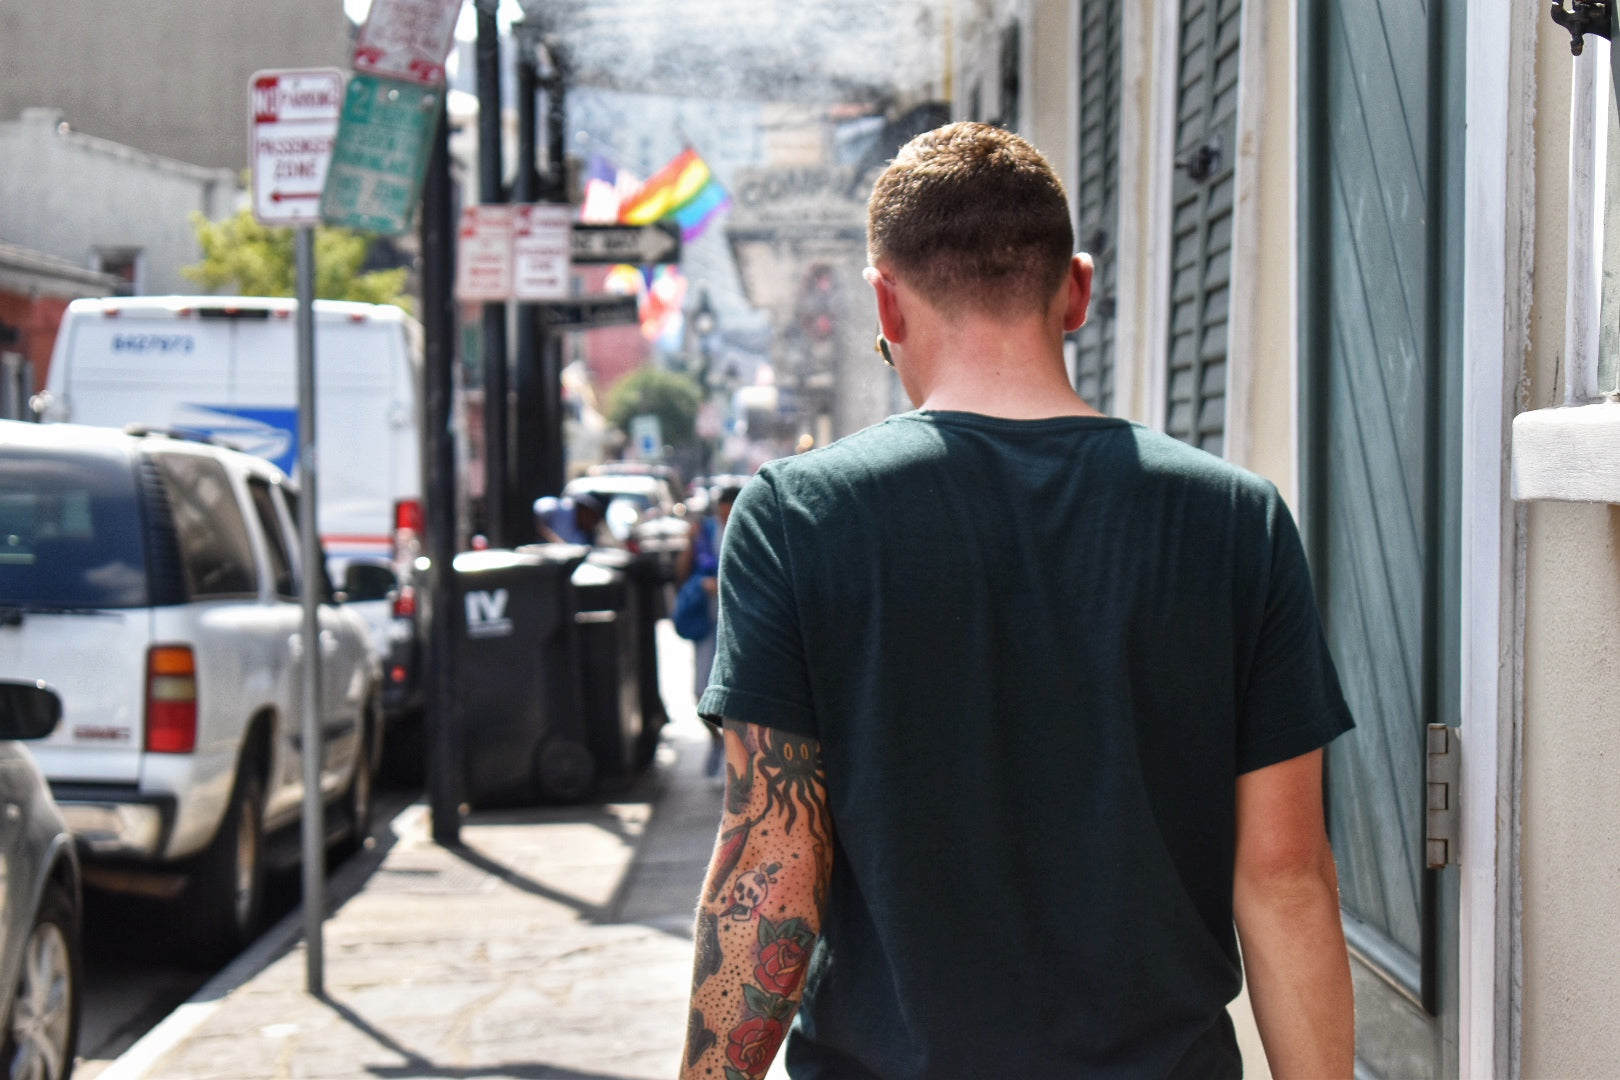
{"x": 309, "y": 592}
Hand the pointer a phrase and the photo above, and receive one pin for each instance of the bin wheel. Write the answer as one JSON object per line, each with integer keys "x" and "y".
{"x": 564, "y": 770}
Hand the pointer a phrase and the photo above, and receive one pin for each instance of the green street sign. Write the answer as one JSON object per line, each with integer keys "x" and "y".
{"x": 382, "y": 146}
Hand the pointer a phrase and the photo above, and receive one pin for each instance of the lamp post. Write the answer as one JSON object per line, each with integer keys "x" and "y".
{"x": 704, "y": 324}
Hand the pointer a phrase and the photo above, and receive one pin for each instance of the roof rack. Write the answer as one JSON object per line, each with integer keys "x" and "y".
{"x": 179, "y": 434}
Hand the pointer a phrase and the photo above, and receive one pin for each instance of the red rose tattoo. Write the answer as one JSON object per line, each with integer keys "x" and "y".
{"x": 754, "y": 1043}
{"x": 781, "y": 965}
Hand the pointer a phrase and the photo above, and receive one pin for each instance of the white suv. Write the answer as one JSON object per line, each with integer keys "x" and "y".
{"x": 153, "y": 582}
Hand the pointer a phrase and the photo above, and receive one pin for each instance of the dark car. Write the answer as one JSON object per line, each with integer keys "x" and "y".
{"x": 40, "y": 958}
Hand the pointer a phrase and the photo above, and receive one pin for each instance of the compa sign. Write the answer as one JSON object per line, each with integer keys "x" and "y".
{"x": 293, "y": 119}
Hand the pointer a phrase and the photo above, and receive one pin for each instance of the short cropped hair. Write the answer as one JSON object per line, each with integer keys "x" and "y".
{"x": 972, "y": 216}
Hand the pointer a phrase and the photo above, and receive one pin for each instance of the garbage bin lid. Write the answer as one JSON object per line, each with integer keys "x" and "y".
{"x": 556, "y": 553}
{"x": 491, "y": 559}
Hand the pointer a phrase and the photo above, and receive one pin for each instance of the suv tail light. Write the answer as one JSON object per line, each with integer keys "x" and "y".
{"x": 405, "y": 602}
{"x": 171, "y": 699}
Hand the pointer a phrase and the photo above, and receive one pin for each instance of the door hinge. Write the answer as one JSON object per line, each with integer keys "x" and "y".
{"x": 1443, "y": 782}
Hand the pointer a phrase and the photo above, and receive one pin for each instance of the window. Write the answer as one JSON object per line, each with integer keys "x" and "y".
{"x": 215, "y": 553}
{"x": 275, "y": 541}
{"x": 70, "y": 533}
{"x": 327, "y": 590}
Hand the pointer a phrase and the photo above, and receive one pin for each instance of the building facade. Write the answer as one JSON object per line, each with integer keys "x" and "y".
{"x": 166, "y": 76}
{"x": 1358, "y": 247}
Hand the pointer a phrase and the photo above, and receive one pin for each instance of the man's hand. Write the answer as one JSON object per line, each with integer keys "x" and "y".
{"x": 762, "y": 904}
{"x": 1285, "y": 898}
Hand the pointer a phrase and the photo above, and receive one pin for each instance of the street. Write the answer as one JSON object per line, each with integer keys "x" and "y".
{"x": 131, "y": 984}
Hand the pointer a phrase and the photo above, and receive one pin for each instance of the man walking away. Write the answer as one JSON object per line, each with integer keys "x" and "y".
{"x": 1023, "y": 706}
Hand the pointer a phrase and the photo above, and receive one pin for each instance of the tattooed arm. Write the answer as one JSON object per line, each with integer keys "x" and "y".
{"x": 762, "y": 904}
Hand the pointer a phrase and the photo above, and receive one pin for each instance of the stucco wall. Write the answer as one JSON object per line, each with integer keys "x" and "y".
{"x": 1570, "y": 808}
{"x": 68, "y": 194}
{"x": 166, "y": 76}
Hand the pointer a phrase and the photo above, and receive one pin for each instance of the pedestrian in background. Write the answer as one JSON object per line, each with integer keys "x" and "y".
{"x": 569, "y": 519}
{"x": 1023, "y": 706}
{"x": 702, "y": 559}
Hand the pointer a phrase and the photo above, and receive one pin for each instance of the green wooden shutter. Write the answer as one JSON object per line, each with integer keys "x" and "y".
{"x": 1201, "y": 221}
{"x": 1097, "y": 195}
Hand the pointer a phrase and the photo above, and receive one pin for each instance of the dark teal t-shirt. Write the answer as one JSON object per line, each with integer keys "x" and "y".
{"x": 1037, "y": 654}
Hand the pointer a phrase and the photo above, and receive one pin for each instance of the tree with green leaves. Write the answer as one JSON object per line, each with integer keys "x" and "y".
{"x": 673, "y": 398}
{"x": 251, "y": 259}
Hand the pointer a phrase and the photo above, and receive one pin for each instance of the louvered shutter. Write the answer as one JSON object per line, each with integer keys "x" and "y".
{"x": 1201, "y": 229}
{"x": 1097, "y": 195}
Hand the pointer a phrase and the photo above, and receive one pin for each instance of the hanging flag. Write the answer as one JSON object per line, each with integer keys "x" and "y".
{"x": 661, "y": 315}
{"x": 708, "y": 204}
{"x": 606, "y": 187}
{"x": 671, "y": 188}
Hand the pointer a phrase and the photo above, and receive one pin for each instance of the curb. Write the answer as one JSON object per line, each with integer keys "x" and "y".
{"x": 178, "y": 1026}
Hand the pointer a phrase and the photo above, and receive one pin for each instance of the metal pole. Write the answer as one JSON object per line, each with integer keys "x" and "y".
{"x": 310, "y": 594}
{"x": 528, "y": 434}
{"x": 552, "y": 452}
{"x": 439, "y": 486}
{"x": 496, "y": 449}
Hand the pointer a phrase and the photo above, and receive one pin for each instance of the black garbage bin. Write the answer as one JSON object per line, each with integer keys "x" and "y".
{"x": 605, "y": 621}
{"x": 518, "y": 677}
{"x": 649, "y": 581}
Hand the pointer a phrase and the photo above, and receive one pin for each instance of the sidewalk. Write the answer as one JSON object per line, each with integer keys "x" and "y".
{"x": 555, "y": 944}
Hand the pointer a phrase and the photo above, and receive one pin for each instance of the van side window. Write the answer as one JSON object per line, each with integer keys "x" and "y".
{"x": 215, "y": 552}
{"x": 275, "y": 541}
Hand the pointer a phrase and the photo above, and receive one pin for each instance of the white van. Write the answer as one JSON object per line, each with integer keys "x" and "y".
{"x": 226, "y": 367}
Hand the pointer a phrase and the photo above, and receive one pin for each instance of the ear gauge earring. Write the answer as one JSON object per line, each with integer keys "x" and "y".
{"x": 881, "y": 347}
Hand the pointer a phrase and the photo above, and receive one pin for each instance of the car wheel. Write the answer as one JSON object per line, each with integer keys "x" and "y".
{"x": 44, "y": 1020}
{"x": 226, "y": 893}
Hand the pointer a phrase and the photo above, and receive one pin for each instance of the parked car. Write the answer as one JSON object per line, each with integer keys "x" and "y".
{"x": 40, "y": 954}
{"x": 154, "y": 582}
{"x": 641, "y": 513}
{"x": 372, "y": 590}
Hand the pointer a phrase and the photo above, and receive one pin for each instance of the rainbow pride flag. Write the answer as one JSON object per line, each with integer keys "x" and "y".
{"x": 669, "y": 189}
{"x": 705, "y": 206}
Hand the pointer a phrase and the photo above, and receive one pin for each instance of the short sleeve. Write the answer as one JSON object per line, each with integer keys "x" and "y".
{"x": 1291, "y": 702}
{"x": 759, "y": 675}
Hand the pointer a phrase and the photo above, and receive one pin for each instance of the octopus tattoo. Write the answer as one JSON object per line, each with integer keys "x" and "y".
{"x": 790, "y": 769}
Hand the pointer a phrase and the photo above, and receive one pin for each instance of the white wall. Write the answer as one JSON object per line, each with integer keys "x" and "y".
{"x": 68, "y": 194}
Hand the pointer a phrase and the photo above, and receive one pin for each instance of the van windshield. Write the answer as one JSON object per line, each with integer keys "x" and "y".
{"x": 70, "y": 532}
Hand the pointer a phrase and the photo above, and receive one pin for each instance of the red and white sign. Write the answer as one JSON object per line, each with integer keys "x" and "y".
{"x": 292, "y": 124}
{"x": 407, "y": 39}
{"x": 542, "y": 252}
{"x": 484, "y": 254}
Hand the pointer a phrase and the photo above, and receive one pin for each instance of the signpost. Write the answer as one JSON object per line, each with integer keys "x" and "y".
{"x": 540, "y": 252}
{"x": 641, "y": 245}
{"x": 381, "y": 152}
{"x": 407, "y": 39}
{"x": 292, "y": 123}
{"x": 484, "y": 254}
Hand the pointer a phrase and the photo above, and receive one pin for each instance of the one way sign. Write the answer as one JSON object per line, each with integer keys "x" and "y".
{"x": 641, "y": 245}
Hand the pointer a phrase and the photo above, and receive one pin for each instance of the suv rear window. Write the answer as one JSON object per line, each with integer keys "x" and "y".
{"x": 70, "y": 532}
{"x": 214, "y": 546}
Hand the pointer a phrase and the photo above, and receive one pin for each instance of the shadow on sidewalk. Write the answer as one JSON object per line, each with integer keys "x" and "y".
{"x": 417, "y": 1066}
{"x": 659, "y": 887}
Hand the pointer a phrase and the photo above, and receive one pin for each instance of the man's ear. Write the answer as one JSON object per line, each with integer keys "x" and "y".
{"x": 890, "y": 318}
{"x": 1077, "y": 293}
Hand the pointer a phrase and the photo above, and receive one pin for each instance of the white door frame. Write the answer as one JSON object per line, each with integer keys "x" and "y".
{"x": 1487, "y": 637}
